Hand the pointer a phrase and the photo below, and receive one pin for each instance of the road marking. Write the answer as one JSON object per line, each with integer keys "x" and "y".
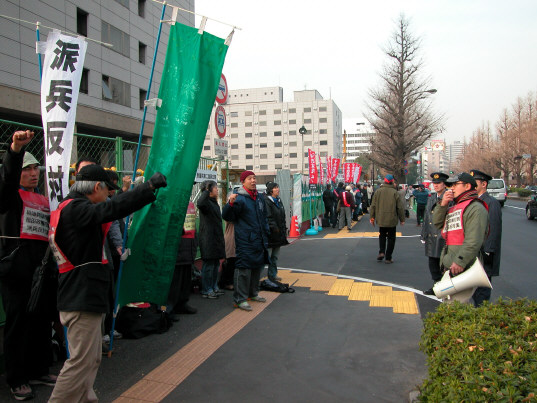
{"x": 518, "y": 208}
{"x": 160, "y": 382}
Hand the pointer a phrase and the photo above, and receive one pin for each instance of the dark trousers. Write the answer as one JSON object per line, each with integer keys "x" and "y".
{"x": 228, "y": 271}
{"x": 330, "y": 214}
{"x": 180, "y": 287}
{"x": 387, "y": 234}
{"x": 482, "y": 294}
{"x": 420, "y": 212}
{"x": 434, "y": 268}
{"x": 27, "y": 337}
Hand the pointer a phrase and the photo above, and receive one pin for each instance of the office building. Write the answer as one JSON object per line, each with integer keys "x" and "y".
{"x": 357, "y": 138}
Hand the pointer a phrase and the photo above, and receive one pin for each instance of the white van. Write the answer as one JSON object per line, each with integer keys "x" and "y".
{"x": 498, "y": 190}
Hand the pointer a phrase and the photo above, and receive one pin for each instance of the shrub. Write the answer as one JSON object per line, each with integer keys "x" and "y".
{"x": 481, "y": 354}
{"x": 524, "y": 192}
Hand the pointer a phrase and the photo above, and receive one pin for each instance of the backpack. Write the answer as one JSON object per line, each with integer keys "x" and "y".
{"x": 140, "y": 320}
{"x": 275, "y": 286}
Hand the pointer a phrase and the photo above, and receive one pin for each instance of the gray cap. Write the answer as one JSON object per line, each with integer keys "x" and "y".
{"x": 29, "y": 159}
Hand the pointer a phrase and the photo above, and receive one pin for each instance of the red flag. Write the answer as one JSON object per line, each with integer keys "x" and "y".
{"x": 347, "y": 169}
{"x": 335, "y": 168}
{"x": 312, "y": 166}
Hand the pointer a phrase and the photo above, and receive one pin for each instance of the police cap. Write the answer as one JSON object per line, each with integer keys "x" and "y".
{"x": 439, "y": 177}
{"x": 480, "y": 175}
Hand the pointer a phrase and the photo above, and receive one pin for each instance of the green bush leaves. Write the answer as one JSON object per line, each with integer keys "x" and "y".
{"x": 481, "y": 354}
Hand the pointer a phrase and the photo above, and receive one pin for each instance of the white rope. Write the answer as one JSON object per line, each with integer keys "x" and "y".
{"x": 38, "y": 24}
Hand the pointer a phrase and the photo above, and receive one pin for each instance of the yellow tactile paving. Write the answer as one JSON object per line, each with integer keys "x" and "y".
{"x": 360, "y": 292}
{"x": 344, "y": 233}
{"x": 341, "y": 287}
{"x": 381, "y": 296}
{"x": 404, "y": 302}
{"x": 156, "y": 385}
{"x": 325, "y": 283}
{"x": 308, "y": 280}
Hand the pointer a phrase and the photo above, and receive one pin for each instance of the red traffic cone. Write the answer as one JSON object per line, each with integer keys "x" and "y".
{"x": 294, "y": 232}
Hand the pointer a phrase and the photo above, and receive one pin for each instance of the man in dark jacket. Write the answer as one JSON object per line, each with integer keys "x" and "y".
{"x": 386, "y": 209}
{"x": 492, "y": 247}
{"x": 277, "y": 227}
{"x": 24, "y": 215}
{"x": 430, "y": 235}
{"x": 211, "y": 239}
{"x": 421, "y": 196}
{"x": 248, "y": 211}
{"x": 78, "y": 230}
{"x": 330, "y": 202}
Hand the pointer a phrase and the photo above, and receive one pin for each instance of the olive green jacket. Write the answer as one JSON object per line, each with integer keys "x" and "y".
{"x": 476, "y": 226}
{"x": 386, "y": 207}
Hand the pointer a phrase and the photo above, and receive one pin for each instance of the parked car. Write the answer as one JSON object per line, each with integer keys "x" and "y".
{"x": 533, "y": 189}
{"x": 498, "y": 190}
{"x": 531, "y": 208}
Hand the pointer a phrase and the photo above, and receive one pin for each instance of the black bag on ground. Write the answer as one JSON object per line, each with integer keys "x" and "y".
{"x": 136, "y": 322}
{"x": 325, "y": 222}
{"x": 275, "y": 286}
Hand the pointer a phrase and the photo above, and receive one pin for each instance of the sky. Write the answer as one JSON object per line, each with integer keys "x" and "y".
{"x": 480, "y": 55}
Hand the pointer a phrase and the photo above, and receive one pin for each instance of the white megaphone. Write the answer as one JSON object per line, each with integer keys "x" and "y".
{"x": 474, "y": 276}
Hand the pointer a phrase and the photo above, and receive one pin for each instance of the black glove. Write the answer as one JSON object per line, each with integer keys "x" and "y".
{"x": 158, "y": 181}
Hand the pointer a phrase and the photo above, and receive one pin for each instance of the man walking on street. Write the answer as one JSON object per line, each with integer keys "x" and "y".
{"x": 430, "y": 235}
{"x": 386, "y": 208}
{"x": 467, "y": 230}
{"x": 493, "y": 245}
{"x": 421, "y": 196}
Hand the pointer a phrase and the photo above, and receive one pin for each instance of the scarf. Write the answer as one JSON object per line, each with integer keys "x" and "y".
{"x": 253, "y": 193}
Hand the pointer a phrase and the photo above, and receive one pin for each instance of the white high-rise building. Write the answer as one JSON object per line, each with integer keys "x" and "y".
{"x": 263, "y": 131}
{"x": 454, "y": 152}
{"x": 358, "y": 138}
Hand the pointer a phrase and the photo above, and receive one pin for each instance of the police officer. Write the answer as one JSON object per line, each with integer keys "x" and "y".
{"x": 430, "y": 235}
{"x": 493, "y": 245}
{"x": 464, "y": 227}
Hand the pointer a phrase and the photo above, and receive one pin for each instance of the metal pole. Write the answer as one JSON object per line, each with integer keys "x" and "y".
{"x": 39, "y": 54}
{"x": 127, "y": 219}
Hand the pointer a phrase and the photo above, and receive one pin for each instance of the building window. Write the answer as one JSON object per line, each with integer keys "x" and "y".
{"x": 292, "y": 121}
{"x": 234, "y": 114}
{"x": 293, "y": 166}
{"x": 278, "y": 166}
{"x": 307, "y": 109}
{"x": 235, "y": 124}
{"x": 277, "y": 122}
{"x": 249, "y": 145}
{"x": 247, "y": 135}
{"x": 263, "y": 112}
{"x": 143, "y": 96}
{"x": 292, "y": 132}
{"x": 263, "y": 156}
{"x": 249, "y": 167}
{"x": 84, "y": 81}
{"x": 323, "y": 120}
{"x": 141, "y": 52}
{"x": 116, "y": 91}
{"x": 263, "y": 145}
{"x": 81, "y": 22}
{"x": 249, "y": 156}
{"x": 307, "y": 120}
{"x": 234, "y": 157}
{"x": 323, "y": 142}
{"x": 124, "y": 3}
{"x": 307, "y": 143}
{"x": 262, "y": 134}
{"x": 247, "y": 113}
{"x": 324, "y": 153}
{"x": 206, "y": 148}
{"x": 323, "y": 131}
{"x": 305, "y": 155}
{"x": 278, "y": 134}
{"x": 292, "y": 144}
{"x": 292, "y": 110}
{"x": 264, "y": 167}
{"x": 263, "y": 123}
{"x": 234, "y": 146}
{"x": 306, "y": 165}
{"x": 119, "y": 39}
{"x": 141, "y": 8}
{"x": 247, "y": 124}
{"x": 234, "y": 135}
{"x": 292, "y": 155}
{"x": 277, "y": 111}
{"x": 308, "y": 131}
{"x": 279, "y": 155}
{"x": 322, "y": 108}
{"x": 278, "y": 144}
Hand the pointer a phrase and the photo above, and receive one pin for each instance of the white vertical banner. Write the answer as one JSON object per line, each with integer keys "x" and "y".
{"x": 60, "y": 83}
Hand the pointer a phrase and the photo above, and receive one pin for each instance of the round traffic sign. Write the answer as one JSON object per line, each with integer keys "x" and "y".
{"x": 405, "y": 171}
{"x": 220, "y": 121}
{"x": 222, "y": 93}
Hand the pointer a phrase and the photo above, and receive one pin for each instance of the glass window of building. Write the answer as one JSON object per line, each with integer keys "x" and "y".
{"x": 234, "y": 114}
{"x": 323, "y": 142}
{"x": 247, "y": 124}
{"x": 292, "y": 144}
{"x": 234, "y": 135}
{"x": 278, "y": 155}
{"x": 262, "y": 134}
{"x": 249, "y": 167}
{"x": 322, "y": 108}
{"x": 277, "y": 111}
{"x": 143, "y": 96}
{"x": 292, "y": 121}
{"x": 249, "y": 145}
{"x": 247, "y": 113}
{"x": 278, "y": 134}
{"x": 119, "y": 39}
{"x": 124, "y": 3}
{"x": 263, "y": 156}
{"x": 262, "y": 145}
{"x": 84, "y": 81}
{"x": 323, "y": 120}
{"x": 307, "y": 120}
{"x": 141, "y": 8}
{"x": 292, "y": 132}
{"x": 141, "y": 52}
{"x": 249, "y": 156}
{"x": 324, "y": 153}
{"x": 307, "y": 110}
{"x": 247, "y": 135}
{"x": 262, "y": 112}
{"x": 264, "y": 167}
{"x": 263, "y": 123}
{"x": 235, "y": 124}
{"x": 277, "y": 122}
{"x": 307, "y": 143}
{"x": 278, "y": 144}
{"x": 234, "y": 157}
{"x": 292, "y": 110}
{"x": 206, "y": 148}
{"x": 292, "y": 155}
{"x": 234, "y": 146}
{"x": 81, "y": 22}
{"x": 293, "y": 166}
{"x": 323, "y": 131}
{"x": 116, "y": 91}
{"x": 278, "y": 166}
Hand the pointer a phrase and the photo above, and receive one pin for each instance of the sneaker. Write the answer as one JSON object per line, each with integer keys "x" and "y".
{"x": 380, "y": 256}
{"x": 49, "y": 380}
{"x": 388, "y": 261}
{"x": 257, "y": 298}
{"x": 22, "y": 392}
{"x": 117, "y": 335}
{"x": 219, "y": 292}
{"x": 106, "y": 338}
{"x": 210, "y": 295}
{"x": 245, "y": 306}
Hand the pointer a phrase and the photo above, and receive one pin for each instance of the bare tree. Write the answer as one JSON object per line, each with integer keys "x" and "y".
{"x": 399, "y": 111}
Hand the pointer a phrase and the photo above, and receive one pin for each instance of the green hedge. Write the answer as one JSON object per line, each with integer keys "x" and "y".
{"x": 524, "y": 192}
{"x": 485, "y": 354}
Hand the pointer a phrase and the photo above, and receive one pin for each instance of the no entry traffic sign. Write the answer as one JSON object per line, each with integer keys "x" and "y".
{"x": 221, "y": 94}
{"x": 220, "y": 121}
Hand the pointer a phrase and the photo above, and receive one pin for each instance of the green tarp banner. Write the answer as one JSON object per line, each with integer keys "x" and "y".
{"x": 188, "y": 88}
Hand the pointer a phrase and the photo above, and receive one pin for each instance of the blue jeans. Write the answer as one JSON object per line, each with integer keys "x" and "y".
{"x": 209, "y": 275}
{"x": 272, "y": 267}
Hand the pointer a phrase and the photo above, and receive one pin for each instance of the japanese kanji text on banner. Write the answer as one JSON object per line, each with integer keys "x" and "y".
{"x": 62, "y": 71}
{"x": 312, "y": 164}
